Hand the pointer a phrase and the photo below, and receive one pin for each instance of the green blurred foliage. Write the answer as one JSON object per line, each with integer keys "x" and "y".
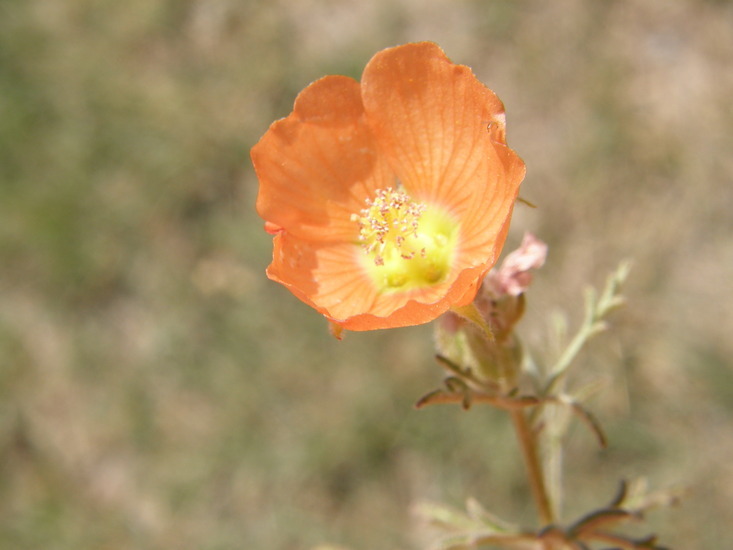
{"x": 156, "y": 391}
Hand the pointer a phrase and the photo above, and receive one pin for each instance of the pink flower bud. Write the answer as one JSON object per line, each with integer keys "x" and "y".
{"x": 514, "y": 277}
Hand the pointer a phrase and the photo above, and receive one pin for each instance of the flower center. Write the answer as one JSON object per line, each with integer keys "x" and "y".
{"x": 407, "y": 244}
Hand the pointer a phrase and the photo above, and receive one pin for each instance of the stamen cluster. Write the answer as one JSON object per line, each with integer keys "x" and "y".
{"x": 386, "y": 224}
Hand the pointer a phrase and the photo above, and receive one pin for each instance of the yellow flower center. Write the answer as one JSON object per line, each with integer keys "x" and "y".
{"x": 407, "y": 244}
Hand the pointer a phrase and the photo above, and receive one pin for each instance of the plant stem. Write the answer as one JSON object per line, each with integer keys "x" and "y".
{"x": 528, "y": 445}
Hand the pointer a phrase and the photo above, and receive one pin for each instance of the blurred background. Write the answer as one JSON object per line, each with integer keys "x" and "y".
{"x": 157, "y": 391}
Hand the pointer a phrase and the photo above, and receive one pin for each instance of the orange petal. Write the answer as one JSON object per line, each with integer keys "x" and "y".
{"x": 430, "y": 117}
{"x": 494, "y": 205}
{"x": 418, "y": 310}
{"x": 325, "y": 276}
{"x": 317, "y": 166}
{"x": 328, "y": 278}
{"x": 443, "y": 133}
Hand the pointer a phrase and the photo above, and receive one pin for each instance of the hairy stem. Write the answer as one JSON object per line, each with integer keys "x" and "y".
{"x": 528, "y": 445}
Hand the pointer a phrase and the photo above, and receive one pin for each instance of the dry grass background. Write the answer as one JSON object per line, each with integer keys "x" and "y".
{"x": 156, "y": 391}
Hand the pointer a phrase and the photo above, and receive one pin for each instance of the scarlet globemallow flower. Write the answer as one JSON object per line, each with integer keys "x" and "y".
{"x": 390, "y": 199}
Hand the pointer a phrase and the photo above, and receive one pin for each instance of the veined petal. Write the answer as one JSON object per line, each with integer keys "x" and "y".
{"x": 317, "y": 166}
{"x": 444, "y": 134}
{"x": 494, "y": 203}
{"x": 328, "y": 278}
{"x": 431, "y": 117}
{"x": 325, "y": 276}
{"x": 419, "y": 306}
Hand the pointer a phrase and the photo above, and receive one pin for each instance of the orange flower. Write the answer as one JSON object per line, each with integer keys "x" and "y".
{"x": 389, "y": 200}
